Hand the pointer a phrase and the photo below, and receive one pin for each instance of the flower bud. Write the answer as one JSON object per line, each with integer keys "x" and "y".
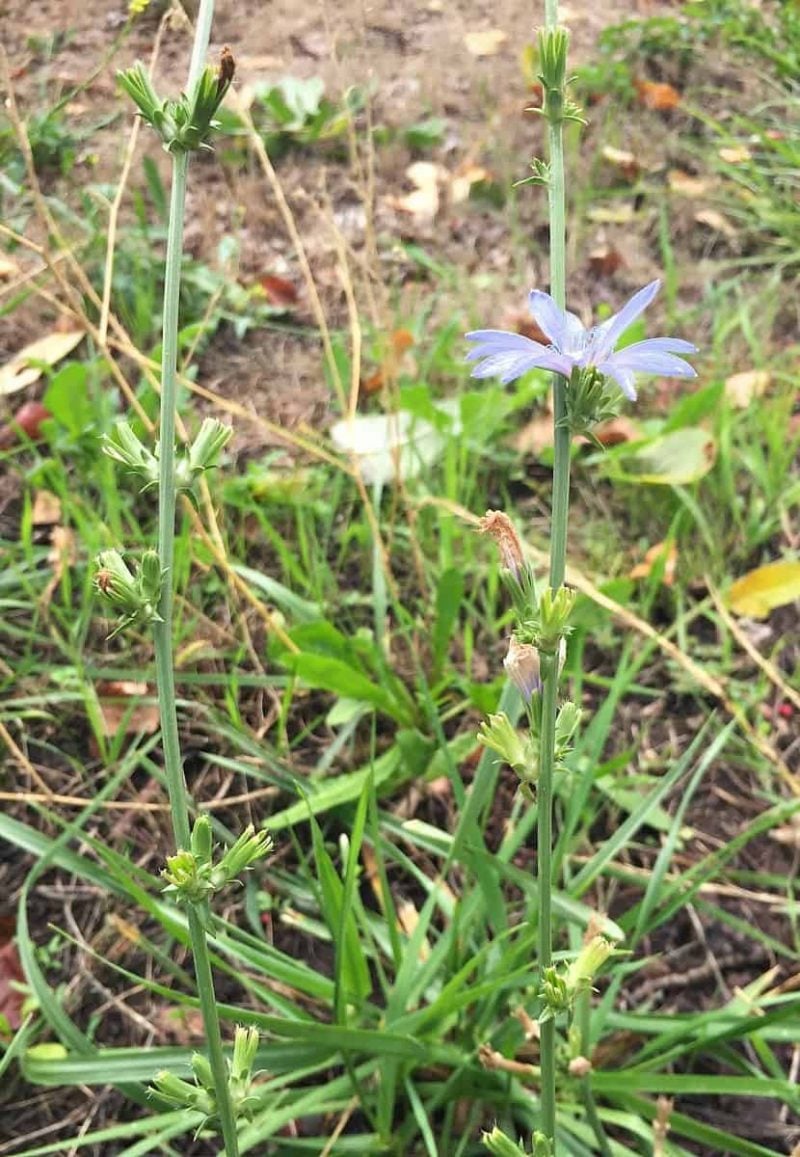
{"x": 589, "y": 961}
{"x": 523, "y": 668}
{"x": 202, "y": 1071}
{"x": 116, "y": 583}
{"x": 498, "y": 734}
{"x": 123, "y": 446}
{"x": 249, "y": 847}
{"x": 245, "y": 1047}
{"x": 500, "y": 1145}
{"x": 202, "y": 839}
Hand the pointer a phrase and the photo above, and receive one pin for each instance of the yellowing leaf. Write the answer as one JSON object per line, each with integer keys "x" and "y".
{"x": 487, "y": 43}
{"x": 674, "y": 459}
{"x": 740, "y": 389}
{"x": 765, "y": 588}
{"x": 19, "y": 373}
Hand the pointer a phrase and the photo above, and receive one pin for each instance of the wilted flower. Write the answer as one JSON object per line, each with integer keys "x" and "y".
{"x": 507, "y": 356}
{"x": 497, "y": 524}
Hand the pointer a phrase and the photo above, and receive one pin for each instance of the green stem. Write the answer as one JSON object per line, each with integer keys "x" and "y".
{"x": 208, "y": 1005}
{"x": 544, "y": 868}
{"x": 558, "y": 561}
{"x": 162, "y": 631}
{"x": 165, "y": 673}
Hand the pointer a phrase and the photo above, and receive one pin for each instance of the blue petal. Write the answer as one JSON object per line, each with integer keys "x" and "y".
{"x": 667, "y": 345}
{"x": 623, "y": 378}
{"x": 509, "y": 355}
{"x": 564, "y": 329}
{"x": 606, "y": 335}
{"x": 651, "y": 362}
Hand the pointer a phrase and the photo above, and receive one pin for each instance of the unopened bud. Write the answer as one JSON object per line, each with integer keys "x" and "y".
{"x": 498, "y": 733}
{"x": 580, "y": 1067}
{"x": 589, "y": 961}
{"x": 500, "y": 1145}
{"x": 523, "y": 668}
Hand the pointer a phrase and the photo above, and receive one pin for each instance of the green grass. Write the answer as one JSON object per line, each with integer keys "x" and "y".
{"x": 393, "y": 934}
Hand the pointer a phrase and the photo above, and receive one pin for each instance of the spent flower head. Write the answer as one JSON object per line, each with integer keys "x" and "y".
{"x": 498, "y": 353}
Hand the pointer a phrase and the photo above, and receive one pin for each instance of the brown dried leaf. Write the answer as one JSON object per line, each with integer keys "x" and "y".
{"x": 622, "y": 160}
{"x": 616, "y": 431}
{"x": 655, "y": 555}
{"x": 687, "y": 185}
{"x": 605, "y": 260}
{"x": 46, "y": 508}
{"x": 119, "y": 708}
{"x": 279, "y": 290}
{"x": 11, "y": 974}
{"x": 657, "y": 95}
{"x": 61, "y": 555}
{"x": 400, "y": 341}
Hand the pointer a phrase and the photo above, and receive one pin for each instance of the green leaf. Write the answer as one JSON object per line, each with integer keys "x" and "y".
{"x": 352, "y": 974}
{"x": 333, "y": 675}
{"x": 67, "y": 399}
{"x": 449, "y": 596}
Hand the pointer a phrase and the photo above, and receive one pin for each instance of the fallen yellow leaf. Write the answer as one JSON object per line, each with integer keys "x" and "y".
{"x": 765, "y": 588}
{"x": 19, "y": 373}
{"x": 740, "y": 389}
{"x": 736, "y": 155}
{"x": 487, "y": 43}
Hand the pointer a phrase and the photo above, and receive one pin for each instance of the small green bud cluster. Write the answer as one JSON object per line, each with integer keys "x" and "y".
{"x": 556, "y": 106}
{"x": 192, "y": 876}
{"x": 135, "y": 597}
{"x": 185, "y": 124}
{"x": 123, "y": 446}
{"x": 200, "y": 1095}
{"x": 561, "y": 987}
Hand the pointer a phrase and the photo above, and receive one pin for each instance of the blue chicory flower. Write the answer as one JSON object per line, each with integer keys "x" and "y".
{"x": 504, "y": 355}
